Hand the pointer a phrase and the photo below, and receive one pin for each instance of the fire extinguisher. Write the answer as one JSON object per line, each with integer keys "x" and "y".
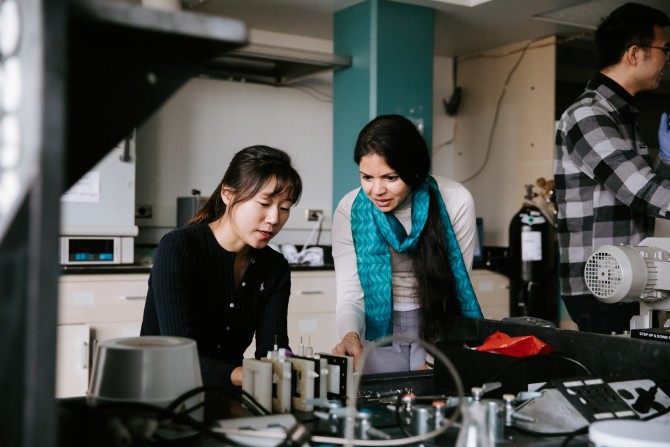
{"x": 532, "y": 263}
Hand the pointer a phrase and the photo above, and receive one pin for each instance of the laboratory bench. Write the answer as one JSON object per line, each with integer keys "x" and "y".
{"x": 144, "y": 254}
{"x": 612, "y": 358}
{"x": 82, "y": 424}
{"x": 146, "y": 268}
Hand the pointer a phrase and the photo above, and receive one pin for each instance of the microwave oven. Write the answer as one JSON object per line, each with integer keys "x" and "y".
{"x": 97, "y": 250}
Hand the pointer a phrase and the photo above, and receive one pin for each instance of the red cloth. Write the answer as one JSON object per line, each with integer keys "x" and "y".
{"x": 522, "y": 346}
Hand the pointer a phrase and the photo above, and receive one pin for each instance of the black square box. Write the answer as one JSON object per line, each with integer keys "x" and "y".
{"x": 515, "y": 373}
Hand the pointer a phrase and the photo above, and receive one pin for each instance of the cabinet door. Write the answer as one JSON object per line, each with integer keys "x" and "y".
{"x": 317, "y": 330}
{"x": 492, "y": 291}
{"x": 101, "y": 298}
{"x": 93, "y": 308}
{"x": 104, "y": 331}
{"x": 72, "y": 360}
{"x": 311, "y": 312}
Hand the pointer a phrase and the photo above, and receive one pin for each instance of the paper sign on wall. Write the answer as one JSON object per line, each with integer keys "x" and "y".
{"x": 87, "y": 189}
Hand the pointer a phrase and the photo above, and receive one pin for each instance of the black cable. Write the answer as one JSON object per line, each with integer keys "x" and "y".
{"x": 572, "y": 436}
{"x": 187, "y": 395}
{"x": 252, "y": 404}
{"x": 158, "y": 411}
{"x": 161, "y": 414}
{"x": 260, "y": 408}
{"x": 248, "y": 402}
{"x": 489, "y": 146}
{"x": 318, "y": 234}
{"x": 236, "y": 393}
{"x": 579, "y": 431}
{"x": 183, "y": 418}
{"x": 520, "y": 360}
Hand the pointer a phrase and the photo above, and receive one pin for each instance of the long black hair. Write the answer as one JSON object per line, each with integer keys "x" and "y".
{"x": 248, "y": 172}
{"x": 396, "y": 140}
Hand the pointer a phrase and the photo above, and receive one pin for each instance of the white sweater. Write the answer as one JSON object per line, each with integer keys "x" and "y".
{"x": 350, "y": 308}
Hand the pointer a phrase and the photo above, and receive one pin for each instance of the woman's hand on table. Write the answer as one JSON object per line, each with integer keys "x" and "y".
{"x": 350, "y": 346}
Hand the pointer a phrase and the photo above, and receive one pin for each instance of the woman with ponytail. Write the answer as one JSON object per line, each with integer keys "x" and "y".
{"x": 216, "y": 280}
{"x": 403, "y": 247}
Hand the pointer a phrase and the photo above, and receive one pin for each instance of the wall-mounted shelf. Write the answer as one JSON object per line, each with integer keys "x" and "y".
{"x": 125, "y": 61}
{"x": 267, "y": 64}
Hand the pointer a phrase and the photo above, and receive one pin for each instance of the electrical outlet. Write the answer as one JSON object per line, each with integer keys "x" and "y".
{"x": 143, "y": 211}
{"x": 313, "y": 215}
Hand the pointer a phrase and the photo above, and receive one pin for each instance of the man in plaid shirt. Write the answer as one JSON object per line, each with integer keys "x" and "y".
{"x": 608, "y": 190}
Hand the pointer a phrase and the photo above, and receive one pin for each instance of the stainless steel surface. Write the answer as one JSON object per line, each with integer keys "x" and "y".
{"x": 267, "y": 64}
{"x": 551, "y": 413}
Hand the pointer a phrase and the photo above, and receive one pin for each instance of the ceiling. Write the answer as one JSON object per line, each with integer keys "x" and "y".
{"x": 459, "y": 29}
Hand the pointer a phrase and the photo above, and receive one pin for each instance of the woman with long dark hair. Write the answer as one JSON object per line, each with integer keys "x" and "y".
{"x": 216, "y": 280}
{"x": 403, "y": 246}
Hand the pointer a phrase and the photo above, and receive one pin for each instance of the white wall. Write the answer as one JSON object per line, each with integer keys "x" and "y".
{"x": 443, "y": 124}
{"x": 190, "y": 141}
{"x": 523, "y": 138}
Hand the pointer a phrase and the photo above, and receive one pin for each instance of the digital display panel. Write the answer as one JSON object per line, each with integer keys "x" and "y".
{"x": 88, "y": 250}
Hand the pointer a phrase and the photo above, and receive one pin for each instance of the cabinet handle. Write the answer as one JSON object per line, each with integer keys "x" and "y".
{"x": 84, "y": 355}
{"x": 310, "y": 292}
{"x": 134, "y": 298}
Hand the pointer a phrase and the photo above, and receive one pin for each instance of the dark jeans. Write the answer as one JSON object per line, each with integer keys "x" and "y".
{"x": 592, "y": 315}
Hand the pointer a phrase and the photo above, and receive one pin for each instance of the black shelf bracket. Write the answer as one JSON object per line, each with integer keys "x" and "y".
{"x": 125, "y": 61}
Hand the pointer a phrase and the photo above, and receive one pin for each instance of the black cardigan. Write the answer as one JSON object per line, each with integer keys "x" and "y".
{"x": 192, "y": 294}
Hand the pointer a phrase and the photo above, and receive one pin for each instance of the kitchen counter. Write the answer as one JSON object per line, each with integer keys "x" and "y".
{"x": 104, "y": 269}
{"x": 146, "y": 268}
{"x": 144, "y": 260}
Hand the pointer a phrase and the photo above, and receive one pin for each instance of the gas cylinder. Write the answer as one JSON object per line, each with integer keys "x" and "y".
{"x": 532, "y": 268}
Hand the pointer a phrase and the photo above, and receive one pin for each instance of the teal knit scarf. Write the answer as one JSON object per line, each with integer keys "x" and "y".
{"x": 373, "y": 231}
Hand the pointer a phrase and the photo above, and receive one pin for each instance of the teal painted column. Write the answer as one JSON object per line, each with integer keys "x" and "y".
{"x": 391, "y": 45}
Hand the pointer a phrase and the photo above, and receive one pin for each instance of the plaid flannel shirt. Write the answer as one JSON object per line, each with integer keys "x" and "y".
{"x": 607, "y": 189}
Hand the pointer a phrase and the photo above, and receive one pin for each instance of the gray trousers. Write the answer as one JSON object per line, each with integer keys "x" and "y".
{"x": 400, "y": 356}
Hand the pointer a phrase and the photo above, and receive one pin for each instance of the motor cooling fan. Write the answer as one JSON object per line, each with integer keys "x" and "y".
{"x": 625, "y": 273}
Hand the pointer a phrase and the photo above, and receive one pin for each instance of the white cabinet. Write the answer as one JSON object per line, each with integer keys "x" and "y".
{"x": 72, "y": 359}
{"x": 98, "y": 307}
{"x": 311, "y": 312}
{"x": 93, "y": 308}
{"x": 492, "y": 291}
